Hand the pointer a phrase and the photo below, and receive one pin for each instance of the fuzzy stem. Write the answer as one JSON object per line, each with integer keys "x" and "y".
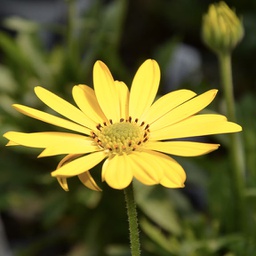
{"x": 133, "y": 220}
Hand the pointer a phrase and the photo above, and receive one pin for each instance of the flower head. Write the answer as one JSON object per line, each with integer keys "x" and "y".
{"x": 222, "y": 29}
{"x": 124, "y": 128}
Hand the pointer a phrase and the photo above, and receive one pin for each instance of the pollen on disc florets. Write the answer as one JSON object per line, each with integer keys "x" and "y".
{"x": 122, "y": 137}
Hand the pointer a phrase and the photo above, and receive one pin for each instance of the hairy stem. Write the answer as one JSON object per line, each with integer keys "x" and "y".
{"x": 133, "y": 220}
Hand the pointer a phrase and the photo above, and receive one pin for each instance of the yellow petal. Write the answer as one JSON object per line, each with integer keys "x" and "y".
{"x": 199, "y": 125}
{"x": 79, "y": 165}
{"x": 70, "y": 147}
{"x": 63, "y": 183}
{"x": 117, "y": 171}
{"x": 63, "y": 107}
{"x": 88, "y": 181}
{"x": 147, "y": 167}
{"x": 144, "y": 88}
{"x": 105, "y": 91}
{"x": 167, "y": 103}
{"x": 85, "y": 99}
{"x": 73, "y": 149}
{"x": 185, "y": 110}
{"x": 67, "y": 159}
{"x": 174, "y": 176}
{"x": 51, "y": 119}
{"x": 123, "y": 95}
{"x": 55, "y": 143}
{"x": 11, "y": 143}
{"x": 171, "y": 180}
{"x": 35, "y": 140}
{"x": 46, "y": 139}
{"x": 182, "y": 148}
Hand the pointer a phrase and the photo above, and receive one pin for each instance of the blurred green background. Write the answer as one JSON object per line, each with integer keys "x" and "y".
{"x": 55, "y": 44}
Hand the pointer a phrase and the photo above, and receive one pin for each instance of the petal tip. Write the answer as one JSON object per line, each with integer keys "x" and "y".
{"x": 151, "y": 63}
{"x": 234, "y": 127}
{"x": 53, "y": 174}
{"x": 239, "y": 127}
{"x": 100, "y": 64}
{"x": 38, "y": 89}
{"x": 215, "y": 91}
{"x": 15, "y": 105}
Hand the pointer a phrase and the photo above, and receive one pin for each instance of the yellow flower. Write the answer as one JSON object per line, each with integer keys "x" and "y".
{"x": 133, "y": 134}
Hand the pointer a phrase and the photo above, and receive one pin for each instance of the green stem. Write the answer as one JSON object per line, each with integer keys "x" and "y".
{"x": 237, "y": 155}
{"x": 133, "y": 220}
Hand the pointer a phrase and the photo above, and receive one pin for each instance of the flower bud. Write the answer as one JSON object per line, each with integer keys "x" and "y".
{"x": 221, "y": 29}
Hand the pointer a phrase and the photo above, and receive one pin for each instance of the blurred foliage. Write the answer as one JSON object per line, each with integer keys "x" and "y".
{"x": 40, "y": 218}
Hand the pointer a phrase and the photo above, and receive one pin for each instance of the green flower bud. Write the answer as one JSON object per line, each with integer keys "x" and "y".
{"x": 221, "y": 29}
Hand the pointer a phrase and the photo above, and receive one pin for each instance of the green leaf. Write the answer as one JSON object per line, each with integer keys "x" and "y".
{"x": 20, "y": 25}
{"x": 36, "y": 58}
{"x": 7, "y": 82}
{"x": 155, "y": 202}
{"x": 170, "y": 245}
{"x": 11, "y": 50}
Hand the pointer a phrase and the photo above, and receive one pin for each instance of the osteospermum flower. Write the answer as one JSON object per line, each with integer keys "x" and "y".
{"x": 134, "y": 135}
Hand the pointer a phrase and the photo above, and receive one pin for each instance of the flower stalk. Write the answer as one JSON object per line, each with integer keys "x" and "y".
{"x": 222, "y": 30}
{"x": 237, "y": 155}
{"x": 133, "y": 220}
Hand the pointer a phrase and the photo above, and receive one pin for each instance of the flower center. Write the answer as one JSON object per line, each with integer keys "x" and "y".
{"x": 123, "y": 137}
